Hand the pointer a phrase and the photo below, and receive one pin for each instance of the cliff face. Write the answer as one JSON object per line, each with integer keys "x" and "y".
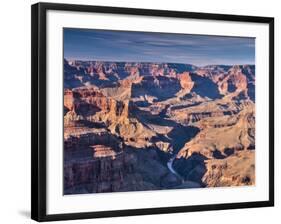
{"x": 185, "y": 82}
{"x": 222, "y": 153}
{"x": 236, "y": 170}
{"x": 89, "y": 103}
{"x": 90, "y": 167}
{"x": 124, "y": 122}
{"x": 238, "y": 133}
{"x": 234, "y": 81}
{"x": 123, "y": 173}
{"x": 100, "y": 174}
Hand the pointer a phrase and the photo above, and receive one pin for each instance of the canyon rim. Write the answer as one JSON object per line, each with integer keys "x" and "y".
{"x": 152, "y": 111}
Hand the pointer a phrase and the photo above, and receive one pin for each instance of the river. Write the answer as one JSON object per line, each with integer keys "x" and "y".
{"x": 170, "y": 167}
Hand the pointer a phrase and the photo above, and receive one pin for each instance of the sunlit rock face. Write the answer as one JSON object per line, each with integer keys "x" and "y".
{"x": 152, "y": 126}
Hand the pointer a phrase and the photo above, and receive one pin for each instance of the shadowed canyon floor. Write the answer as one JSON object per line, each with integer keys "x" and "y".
{"x": 152, "y": 126}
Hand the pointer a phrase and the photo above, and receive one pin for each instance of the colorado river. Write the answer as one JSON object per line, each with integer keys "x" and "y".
{"x": 170, "y": 167}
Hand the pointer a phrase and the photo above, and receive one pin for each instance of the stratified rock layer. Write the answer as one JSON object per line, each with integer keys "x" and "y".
{"x": 124, "y": 122}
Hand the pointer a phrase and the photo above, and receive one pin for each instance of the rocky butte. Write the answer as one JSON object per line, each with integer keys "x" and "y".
{"x": 151, "y": 126}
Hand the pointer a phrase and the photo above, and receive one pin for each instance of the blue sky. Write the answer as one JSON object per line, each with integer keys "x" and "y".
{"x": 106, "y": 45}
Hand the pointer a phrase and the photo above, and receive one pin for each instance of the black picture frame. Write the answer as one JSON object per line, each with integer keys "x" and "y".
{"x": 38, "y": 108}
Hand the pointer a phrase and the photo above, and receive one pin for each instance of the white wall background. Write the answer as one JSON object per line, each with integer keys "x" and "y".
{"x": 15, "y": 109}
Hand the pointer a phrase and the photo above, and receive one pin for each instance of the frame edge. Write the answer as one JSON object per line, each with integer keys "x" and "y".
{"x": 34, "y": 113}
{"x": 154, "y": 12}
{"x": 38, "y": 111}
{"x": 271, "y": 112}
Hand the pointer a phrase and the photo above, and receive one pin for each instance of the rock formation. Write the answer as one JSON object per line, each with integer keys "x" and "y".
{"x": 125, "y": 121}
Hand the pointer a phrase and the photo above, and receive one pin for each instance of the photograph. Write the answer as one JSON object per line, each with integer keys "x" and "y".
{"x": 141, "y": 111}
{"x": 150, "y": 111}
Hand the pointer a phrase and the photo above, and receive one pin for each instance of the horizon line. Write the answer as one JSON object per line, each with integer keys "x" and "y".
{"x": 162, "y": 62}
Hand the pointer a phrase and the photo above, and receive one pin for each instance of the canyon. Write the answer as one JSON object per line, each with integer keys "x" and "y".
{"x": 136, "y": 126}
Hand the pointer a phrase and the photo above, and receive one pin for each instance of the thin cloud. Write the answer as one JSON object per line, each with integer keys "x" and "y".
{"x": 156, "y": 47}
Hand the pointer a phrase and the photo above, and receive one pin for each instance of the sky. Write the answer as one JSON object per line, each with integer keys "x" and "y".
{"x": 128, "y": 46}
